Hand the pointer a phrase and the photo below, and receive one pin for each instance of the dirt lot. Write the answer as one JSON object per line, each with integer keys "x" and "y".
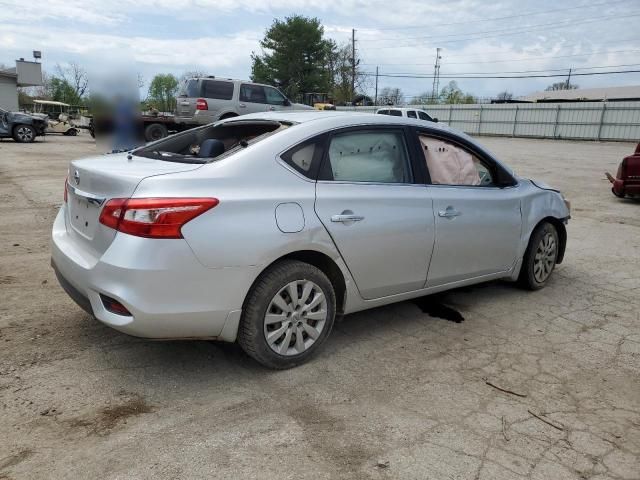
{"x": 395, "y": 394}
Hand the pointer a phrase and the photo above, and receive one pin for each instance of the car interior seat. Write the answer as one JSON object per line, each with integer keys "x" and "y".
{"x": 211, "y": 147}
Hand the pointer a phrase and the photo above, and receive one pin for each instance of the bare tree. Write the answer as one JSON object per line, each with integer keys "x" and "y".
{"x": 192, "y": 74}
{"x": 74, "y": 75}
{"x": 506, "y": 95}
{"x": 561, "y": 86}
{"x": 390, "y": 96}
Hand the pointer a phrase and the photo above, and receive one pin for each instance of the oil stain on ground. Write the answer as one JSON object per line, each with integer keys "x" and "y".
{"x": 110, "y": 416}
{"x": 433, "y": 305}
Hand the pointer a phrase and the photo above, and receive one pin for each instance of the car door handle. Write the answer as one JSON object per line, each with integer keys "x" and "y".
{"x": 449, "y": 213}
{"x": 346, "y": 218}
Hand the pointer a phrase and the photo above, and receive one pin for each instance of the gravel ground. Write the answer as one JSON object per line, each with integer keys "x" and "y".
{"x": 396, "y": 393}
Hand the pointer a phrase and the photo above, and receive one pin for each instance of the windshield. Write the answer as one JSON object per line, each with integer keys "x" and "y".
{"x": 189, "y": 88}
{"x": 211, "y": 142}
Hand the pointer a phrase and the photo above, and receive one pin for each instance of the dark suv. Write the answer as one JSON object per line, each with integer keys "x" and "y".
{"x": 22, "y": 127}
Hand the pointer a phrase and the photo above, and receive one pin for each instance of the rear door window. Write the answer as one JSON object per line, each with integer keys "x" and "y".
{"x": 379, "y": 156}
{"x": 217, "y": 89}
{"x": 252, "y": 93}
{"x": 383, "y": 112}
{"x": 395, "y": 113}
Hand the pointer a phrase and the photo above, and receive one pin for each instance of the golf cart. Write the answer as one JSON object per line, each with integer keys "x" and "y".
{"x": 59, "y": 116}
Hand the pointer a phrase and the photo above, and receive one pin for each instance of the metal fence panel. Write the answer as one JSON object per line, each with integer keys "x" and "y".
{"x": 574, "y": 121}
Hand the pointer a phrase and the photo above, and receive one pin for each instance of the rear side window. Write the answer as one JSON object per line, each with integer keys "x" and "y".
{"x": 217, "y": 89}
{"x": 306, "y": 157}
{"x": 395, "y": 113}
{"x": 378, "y": 156}
{"x": 252, "y": 93}
{"x": 411, "y": 114}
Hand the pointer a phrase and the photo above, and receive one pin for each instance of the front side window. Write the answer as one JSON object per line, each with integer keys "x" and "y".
{"x": 252, "y": 93}
{"x": 274, "y": 97}
{"x": 411, "y": 114}
{"x": 368, "y": 156}
{"x": 217, "y": 89}
{"x": 424, "y": 116}
{"x": 449, "y": 164}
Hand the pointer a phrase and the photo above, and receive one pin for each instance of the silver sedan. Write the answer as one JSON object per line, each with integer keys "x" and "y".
{"x": 261, "y": 229}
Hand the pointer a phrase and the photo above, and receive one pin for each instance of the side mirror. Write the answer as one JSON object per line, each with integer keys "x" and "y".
{"x": 287, "y": 102}
{"x": 435, "y": 120}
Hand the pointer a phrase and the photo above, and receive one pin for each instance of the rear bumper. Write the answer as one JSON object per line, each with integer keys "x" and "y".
{"x": 168, "y": 292}
{"x": 626, "y": 187}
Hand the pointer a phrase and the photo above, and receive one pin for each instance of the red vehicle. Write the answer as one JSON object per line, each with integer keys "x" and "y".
{"x": 627, "y": 181}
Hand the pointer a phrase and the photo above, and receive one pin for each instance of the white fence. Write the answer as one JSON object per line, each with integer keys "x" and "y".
{"x": 575, "y": 121}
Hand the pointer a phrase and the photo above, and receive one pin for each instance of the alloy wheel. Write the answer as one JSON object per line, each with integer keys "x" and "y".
{"x": 545, "y": 257}
{"x": 295, "y": 318}
{"x": 25, "y": 134}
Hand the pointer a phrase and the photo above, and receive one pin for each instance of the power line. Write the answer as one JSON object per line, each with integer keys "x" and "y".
{"x": 489, "y": 19}
{"x": 524, "y": 71}
{"x": 570, "y": 23}
{"x": 529, "y": 59}
{"x": 392, "y": 75}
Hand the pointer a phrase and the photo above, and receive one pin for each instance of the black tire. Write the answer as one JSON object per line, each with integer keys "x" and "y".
{"x": 251, "y": 332}
{"x": 154, "y": 132}
{"x": 530, "y": 273}
{"x": 72, "y": 132}
{"x": 24, "y": 133}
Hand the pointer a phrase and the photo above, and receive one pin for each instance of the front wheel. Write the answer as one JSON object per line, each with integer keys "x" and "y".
{"x": 287, "y": 315}
{"x": 24, "y": 134}
{"x": 540, "y": 257}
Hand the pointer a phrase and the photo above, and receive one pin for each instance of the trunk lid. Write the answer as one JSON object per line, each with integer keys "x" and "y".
{"x": 94, "y": 181}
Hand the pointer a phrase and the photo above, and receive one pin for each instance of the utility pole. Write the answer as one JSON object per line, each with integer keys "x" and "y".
{"x": 353, "y": 63}
{"x": 568, "y": 80}
{"x": 376, "y": 97}
{"x": 436, "y": 76}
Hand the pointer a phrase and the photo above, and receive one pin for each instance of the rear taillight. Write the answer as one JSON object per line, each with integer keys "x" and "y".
{"x": 201, "y": 104}
{"x": 153, "y": 217}
{"x": 66, "y": 186}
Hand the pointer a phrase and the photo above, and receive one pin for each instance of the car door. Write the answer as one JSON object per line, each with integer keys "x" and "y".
{"x": 252, "y": 99}
{"x": 4, "y": 124}
{"x": 477, "y": 222}
{"x": 276, "y": 100}
{"x": 380, "y": 218}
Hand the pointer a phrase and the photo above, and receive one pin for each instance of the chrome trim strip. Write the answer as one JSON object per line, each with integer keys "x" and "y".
{"x": 89, "y": 197}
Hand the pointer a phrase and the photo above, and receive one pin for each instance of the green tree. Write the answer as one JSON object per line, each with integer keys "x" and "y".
{"x": 294, "y": 56}
{"x": 451, "y": 93}
{"x": 61, "y": 90}
{"x": 162, "y": 92}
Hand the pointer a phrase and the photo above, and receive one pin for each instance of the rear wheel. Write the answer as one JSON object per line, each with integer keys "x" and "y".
{"x": 540, "y": 257}
{"x": 287, "y": 315}
{"x": 72, "y": 132}
{"x": 154, "y": 132}
{"x": 24, "y": 133}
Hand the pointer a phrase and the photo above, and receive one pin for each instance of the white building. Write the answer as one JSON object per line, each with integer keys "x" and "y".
{"x": 610, "y": 94}
{"x": 24, "y": 74}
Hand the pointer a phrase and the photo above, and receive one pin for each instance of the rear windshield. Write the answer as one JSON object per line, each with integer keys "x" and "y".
{"x": 211, "y": 142}
{"x": 217, "y": 89}
{"x": 189, "y": 88}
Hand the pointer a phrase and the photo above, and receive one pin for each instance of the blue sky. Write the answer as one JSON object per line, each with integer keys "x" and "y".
{"x": 218, "y": 36}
